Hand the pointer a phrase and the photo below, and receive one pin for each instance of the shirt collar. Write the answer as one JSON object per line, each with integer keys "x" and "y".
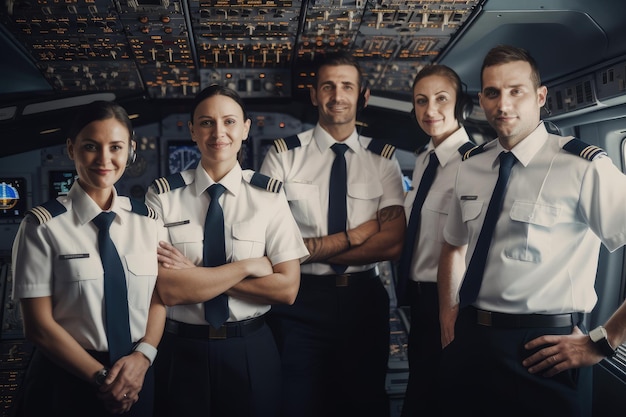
{"x": 324, "y": 140}
{"x": 449, "y": 147}
{"x": 526, "y": 150}
{"x": 86, "y": 209}
{"x": 231, "y": 181}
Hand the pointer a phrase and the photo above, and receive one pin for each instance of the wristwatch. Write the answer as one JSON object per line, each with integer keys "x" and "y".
{"x": 599, "y": 337}
{"x": 100, "y": 376}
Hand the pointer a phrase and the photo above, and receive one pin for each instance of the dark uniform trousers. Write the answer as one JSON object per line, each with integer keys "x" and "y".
{"x": 49, "y": 390}
{"x": 202, "y": 375}
{"x": 424, "y": 350}
{"x": 482, "y": 374}
{"x": 334, "y": 345}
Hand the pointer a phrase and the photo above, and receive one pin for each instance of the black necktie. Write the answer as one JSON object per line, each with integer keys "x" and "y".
{"x": 410, "y": 238}
{"x": 474, "y": 274}
{"x": 214, "y": 254}
{"x": 115, "y": 291}
{"x": 337, "y": 209}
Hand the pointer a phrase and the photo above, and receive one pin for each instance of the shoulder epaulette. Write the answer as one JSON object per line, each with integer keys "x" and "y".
{"x": 287, "y": 143}
{"x": 267, "y": 183}
{"x": 47, "y": 211}
{"x": 466, "y": 147}
{"x": 169, "y": 183}
{"x": 141, "y": 208}
{"x": 474, "y": 151}
{"x": 383, "y": 149}
{"x": 584, "y": 150}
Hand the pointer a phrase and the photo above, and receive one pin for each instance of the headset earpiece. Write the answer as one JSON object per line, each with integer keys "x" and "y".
{"x": 464, "y": 104}
{"x": 132, "y": 153}
{"x": 360, "y": 104}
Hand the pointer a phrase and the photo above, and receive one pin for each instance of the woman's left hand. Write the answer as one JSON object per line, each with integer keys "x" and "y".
{"x": 123, "y": 383}
{"x": 172, "y": 258}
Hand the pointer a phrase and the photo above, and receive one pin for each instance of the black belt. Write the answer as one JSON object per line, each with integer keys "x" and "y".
{"x": 493, "y": 319}
{"x": 341, "y": 280}
{"x": 203, "y": 331}
{"x": 423, "y": 287}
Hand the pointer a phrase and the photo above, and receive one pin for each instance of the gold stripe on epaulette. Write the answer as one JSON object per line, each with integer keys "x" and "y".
{"x": 273, "y": 185}
{"x": 42, "y": 214}
{"x": 468, "y": 153}
{"x": 588, "y": 152}
{"x": 151, "y": 213}
{"x": 281, "y": 145}
{"x": 388, "y": 151}
{"x": 162, "y": 185}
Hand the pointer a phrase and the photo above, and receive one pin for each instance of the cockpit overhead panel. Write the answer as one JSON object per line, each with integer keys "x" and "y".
{"x": 262, "y": 48}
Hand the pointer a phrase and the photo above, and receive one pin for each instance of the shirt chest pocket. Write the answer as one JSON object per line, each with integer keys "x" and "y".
{"x": 304, "y": 202}
{"x": 471, "y": 209}
{"x": 188, "y": 239}
{"x": 434, "y": 214}
{"x": 363, "y": 201}
{"x": 534, "y": 223}
{"x": 141, "y": 277}
{"x": 76, "y": 268}
{"x": 248, "y": 240}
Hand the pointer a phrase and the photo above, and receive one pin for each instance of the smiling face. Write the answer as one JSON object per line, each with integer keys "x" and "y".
{"x": 434, "y": 100}
{"x": 511, "y": 101}
{"x": 100, "y": 152}
{"x": 336, "y": 97}
{"x": 219, "y": 128}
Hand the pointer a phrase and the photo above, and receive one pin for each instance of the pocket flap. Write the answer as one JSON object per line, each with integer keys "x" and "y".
{"x": 471, "y": 209}
{"x": 438, "y": 202}
{"x": 299, "y": 191}
{"x": 365, "y": 191}
{"x": 142, "y": 264}
{"x": 533, "y": 213}
{"x": 247, "y": 231}
{"x": 186, "y": 233}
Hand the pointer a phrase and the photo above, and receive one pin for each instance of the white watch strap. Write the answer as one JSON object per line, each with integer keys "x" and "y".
{"x": 147, "y": 350}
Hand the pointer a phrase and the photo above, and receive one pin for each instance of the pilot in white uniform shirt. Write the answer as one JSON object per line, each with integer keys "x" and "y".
{"x": 434, "y": 212}
{"x": 60, "y": 258}
{"x": 257, "y": 223}
{"x": 544, "y": 251}
{"x": 374, "y": 182}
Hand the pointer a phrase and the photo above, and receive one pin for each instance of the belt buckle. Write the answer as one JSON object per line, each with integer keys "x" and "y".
{"x": 342, "y": 280}
{"x": 219, "y": 333}
{"x": 483, "y": 317}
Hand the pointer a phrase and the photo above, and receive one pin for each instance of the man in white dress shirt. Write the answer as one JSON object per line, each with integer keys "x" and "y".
{"x": 516, "y": 346}
{"x": 334, "y": 340}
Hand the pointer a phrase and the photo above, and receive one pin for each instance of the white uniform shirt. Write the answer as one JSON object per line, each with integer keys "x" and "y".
{"x": 60, "y": 258}
{"x": 374, "y": 182}
{"x": 256, "y": 223}
{"x": 435, "y": 209}
{"x": 557, "y": 208}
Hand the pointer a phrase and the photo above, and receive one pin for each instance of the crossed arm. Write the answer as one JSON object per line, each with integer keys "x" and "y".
{"x": 254, "y": 279}
{"x": 375, "y": 240}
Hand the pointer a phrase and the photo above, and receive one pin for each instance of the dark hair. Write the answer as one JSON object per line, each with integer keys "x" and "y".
{"x": 336, "y": 59}
{"x": 463, "y": 103}
{"x": 215, "y": 90}
{"x": 96, "y": 111}
{"x": 503, "y": 54}
{"x": 442, "y": 71}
